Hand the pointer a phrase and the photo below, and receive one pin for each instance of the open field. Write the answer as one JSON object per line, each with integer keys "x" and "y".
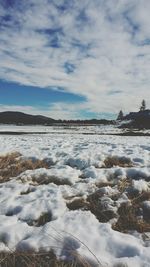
{"x": 81, "y": 198}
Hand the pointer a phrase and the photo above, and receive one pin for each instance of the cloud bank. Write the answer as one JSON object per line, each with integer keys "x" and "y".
{"x": 98, "y": 49}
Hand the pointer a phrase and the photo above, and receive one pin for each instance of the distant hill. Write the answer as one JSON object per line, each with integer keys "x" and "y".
{"x": 20, "y": 118}
{"x": 138, "y": 120}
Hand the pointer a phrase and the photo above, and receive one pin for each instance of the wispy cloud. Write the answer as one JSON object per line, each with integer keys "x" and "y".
{"x": 87, "y": 47}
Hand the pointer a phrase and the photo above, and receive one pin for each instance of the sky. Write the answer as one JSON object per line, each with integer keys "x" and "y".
{"x": 74, "y": 59}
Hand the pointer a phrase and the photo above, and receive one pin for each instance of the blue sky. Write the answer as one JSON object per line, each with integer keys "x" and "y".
{"x": 13, "y": 93}
{"x": 74, "y": 59}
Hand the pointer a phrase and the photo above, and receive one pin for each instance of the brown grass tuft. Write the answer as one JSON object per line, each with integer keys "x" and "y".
{"x": 104, "y": 184}
{"x": 43, "y": 219}
{"x": 51, "y": 179}
{"x": 124, "y": 184}
{"x": 138, "y": 198}
{"x": 110, "y": 162}
{"x": 77, "y": 203}
{"x": 41, "y": 259}
{"x": 128, "y": 219}
{"x": 30, "y": 190}
{"x": 12, "y": 165}
{"x": 95, "y": 205}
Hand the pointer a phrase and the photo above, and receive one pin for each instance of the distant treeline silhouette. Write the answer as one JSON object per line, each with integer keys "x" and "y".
{"x": 20, "y": 118}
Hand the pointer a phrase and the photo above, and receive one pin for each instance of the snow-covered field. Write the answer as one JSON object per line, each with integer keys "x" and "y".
{"x": 78, "y": 172}
{"x": 65, "y": 129}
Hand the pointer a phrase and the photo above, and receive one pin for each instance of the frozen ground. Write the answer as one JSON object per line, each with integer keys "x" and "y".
{"x": 59, "y": 129}
{"x": 80, "y": 195}
{"x": 68, "y": 129}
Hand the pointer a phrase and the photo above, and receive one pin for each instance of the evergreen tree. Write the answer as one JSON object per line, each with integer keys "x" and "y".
{"x": 143, "y": 105}
{"x": 120, "y": 116}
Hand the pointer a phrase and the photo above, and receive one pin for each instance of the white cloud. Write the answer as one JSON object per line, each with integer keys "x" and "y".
{"x": 59, "y": 110}
{"x": 107, "y": 41}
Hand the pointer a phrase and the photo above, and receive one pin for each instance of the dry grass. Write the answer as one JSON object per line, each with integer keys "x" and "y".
{"x": 12, "y": 165}
{"x": 20, "y": 259}
{"x": 138, "y": 201}
{"x": 77, "y": 203}
{"x": 41, "y": 259}
{"x": 42, "y": 220}
{"x": 132, "y": 215}
{"x": 30, "y": 190}
{"x": 46, "y": 257}
{"x": 129, "y": 215}
{"x": 138, "y": 198}
{"x": 104, "y": 184}
{"x": 124, "y": 184}
{"x": 128, "y": 220}
{"x": 110, "y": 162}
{"x": 93, "y": 204}
{"x": 51, "y": 179}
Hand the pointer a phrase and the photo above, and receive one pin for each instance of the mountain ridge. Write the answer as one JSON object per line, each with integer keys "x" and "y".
{"x": 17, "y": 117}
{"x": 21, "y": 118}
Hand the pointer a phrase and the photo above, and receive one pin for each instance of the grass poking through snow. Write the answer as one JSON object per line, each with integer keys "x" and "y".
{"x": 42, "y": 220}
{"x": 112, "y": 161}
{"x": 47, "y": 259}
{"x": 128, "y": 220}
{"x": 11, "y": 165}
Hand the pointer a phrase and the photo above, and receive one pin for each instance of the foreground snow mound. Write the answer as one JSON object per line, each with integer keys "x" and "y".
{"x": 28, "y": 203}
{"x": 57, "y": 175}
{"x": 109, "y": 246}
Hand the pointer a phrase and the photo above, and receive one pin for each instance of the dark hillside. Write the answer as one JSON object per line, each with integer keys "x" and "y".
{"x": 138, "y": 120}
{"x": 20, "y": 118}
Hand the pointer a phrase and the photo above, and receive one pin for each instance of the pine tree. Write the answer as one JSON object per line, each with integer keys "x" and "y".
{"x": 143, "y": 105}
{"x": 120, "y": 116}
